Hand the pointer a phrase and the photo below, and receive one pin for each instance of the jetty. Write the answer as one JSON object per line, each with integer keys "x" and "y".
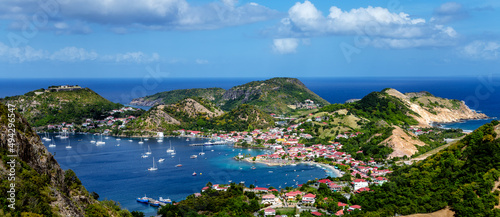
{"x": 211, "y": 143}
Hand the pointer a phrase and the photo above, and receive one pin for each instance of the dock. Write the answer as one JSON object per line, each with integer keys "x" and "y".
{"x": 211, "y": 144}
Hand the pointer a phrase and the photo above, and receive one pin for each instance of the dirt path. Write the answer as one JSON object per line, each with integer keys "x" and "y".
{"x": 441, "y": 213}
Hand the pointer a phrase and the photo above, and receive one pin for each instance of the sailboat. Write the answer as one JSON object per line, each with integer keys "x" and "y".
{"x": 45, "y": 136}
{"x": 170, "y": 150}
{"x": 179, "y": 165}
{"x": 118, "y": 139}
{"x": 69, "y": 144}
{"x": 154, "y": 166}
{"x": 149, "y": 151}
{"x": 173, "y": 152}
{"x": 100, "y": 142}
{"x": 65, "y": 135}
{"x": 141, "y": 142}
{"x": 146, "y": 139}
{"x": 161, "y": 160}
{"x": 194, "y": 173}
{"x": 144, "y": 156}
{"x": 160, "y": 139}
{"x": 93, "y": 140}
{"x": 53, "y": 144}
{"x": 201, "y": 153}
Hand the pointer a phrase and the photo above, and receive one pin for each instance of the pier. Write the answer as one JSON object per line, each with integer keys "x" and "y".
{"x": 210, "y": 144}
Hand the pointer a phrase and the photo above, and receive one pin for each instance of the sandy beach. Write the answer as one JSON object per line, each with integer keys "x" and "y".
{"x": 326, "y": 166}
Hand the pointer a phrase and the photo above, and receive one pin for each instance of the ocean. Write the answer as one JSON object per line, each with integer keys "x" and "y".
{"x": 119, "y": 173}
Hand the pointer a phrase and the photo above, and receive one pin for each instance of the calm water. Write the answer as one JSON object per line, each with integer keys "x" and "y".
{"x": 119, "y": 173}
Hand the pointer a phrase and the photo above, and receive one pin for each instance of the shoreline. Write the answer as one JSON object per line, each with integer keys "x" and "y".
{"x": 330, "y": 168}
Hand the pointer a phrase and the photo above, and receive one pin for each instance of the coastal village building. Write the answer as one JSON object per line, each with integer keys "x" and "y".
{"x": 359, "y": 183}
{"x": 269, "y": 211}
{"x": 268, "y": 199}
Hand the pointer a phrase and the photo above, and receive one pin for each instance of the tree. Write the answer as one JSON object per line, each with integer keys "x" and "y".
{"x": 137, "y": 214}
{"x": 252, "y": 186}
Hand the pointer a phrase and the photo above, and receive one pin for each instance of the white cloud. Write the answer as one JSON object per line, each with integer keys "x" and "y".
{"x": 482, "y": 50}
{"x": 448, "y": 12}
{"x": 201, "y": 61}
{"x": 70, "y": 54}
{"x": 144, "y": 14}
{"x": 285, "y": 45}
{"x": 396, "y": 30}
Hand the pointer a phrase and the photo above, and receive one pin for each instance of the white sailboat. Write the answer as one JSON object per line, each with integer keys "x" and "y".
{"x": 93, "y": 140}
{"x": 144, "y": 156}
{"x": 64, "y": 136}
{"x": 149, "y": 151}
{"x": 146, "y": 139}
{"x": 100, "y": 142}
{"x": 69, "y": 144}
{"x": 141, "y": 142}
{"x": 52, "y": 145}
{"x": 161, "y": 160}
{"x": 160, "y": 139}
{"x": 179, "y": 165}
{"x": 154, "y": 166}
{"x": 201, "y": 153}
{"x": 173, "y": 153}
{"x": 170, "y": 150}
{"x": 118, "y": 139}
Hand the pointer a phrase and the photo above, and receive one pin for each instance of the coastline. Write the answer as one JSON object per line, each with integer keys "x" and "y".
{"x": 330, "y": 168}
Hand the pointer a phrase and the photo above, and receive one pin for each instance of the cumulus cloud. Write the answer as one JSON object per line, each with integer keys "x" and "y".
{"x": 70, "y": 54}
{"x": 145, "y": 14}
{"x": 285, "y": 45}
{"x": 382, "y": 27}
{"x": 481, "y": 50}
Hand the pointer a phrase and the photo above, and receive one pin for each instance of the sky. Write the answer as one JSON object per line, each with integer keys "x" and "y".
{"x": 258, "y": 38}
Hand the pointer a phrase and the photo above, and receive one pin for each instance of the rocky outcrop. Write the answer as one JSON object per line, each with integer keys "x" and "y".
{"x": 401, "y": 143}
{"x": 432, "y": 109}
{"x": 145, "y": 102}
{"x": 193, "y": 109}
{"x": 35, "y": 155}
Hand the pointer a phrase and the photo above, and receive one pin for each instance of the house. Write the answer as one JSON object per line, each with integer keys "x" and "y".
{"x": 354, "y": 207}
{"x": 335, "y": 187}
{"x": 269, "y": 211}
{"x": 292, "y": 194}
{"x": 359, "y": 183}
{"x": 341, "y": 205}
{"x": 362, "y": 189}
{"x": 204, "y": 188}
{"x": 380, "y": 180}
{"x": 309, "y": 198}
{"x": 340, "y": 213}
{"x": 316, "y": 213}
{"x": 269, "y": 198}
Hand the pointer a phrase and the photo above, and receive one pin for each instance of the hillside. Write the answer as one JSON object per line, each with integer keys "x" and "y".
{"x": 243, "y": 117}
{"x": 42, "y": 187}
{"x": 169, "y": 97}
{"x": 435, "y": 109}
{"x": 187, "y": 113}
{"x": 461, "y": 177}
{"x": 276, "y": 95}
{"x": 42, "y": 107}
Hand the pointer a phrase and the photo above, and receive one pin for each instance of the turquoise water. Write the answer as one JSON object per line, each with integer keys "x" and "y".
{"x": 119, "y": 173}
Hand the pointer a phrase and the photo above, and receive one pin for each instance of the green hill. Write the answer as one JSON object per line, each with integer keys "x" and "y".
{"x": 243, "y": 117}
{"x": 42, "y": 187}
{"x": 169, "y": 97}
{"x": 276, "y": 95}
{"x": 461, "y": 177}
{"x": 43, "y": 107}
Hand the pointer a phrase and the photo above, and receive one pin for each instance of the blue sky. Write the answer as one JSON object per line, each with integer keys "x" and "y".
{"x": 230, "y": 38}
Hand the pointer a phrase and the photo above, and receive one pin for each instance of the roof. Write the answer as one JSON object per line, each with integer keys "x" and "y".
{"x": 260, "y": 189}
{"x": 269, "y": 196}
{"x": 341, "y": 204}
{"x": 269, "y": 210}
{"x": 317, "y": 213}
{"x": 340, "y": 212}
{"x": 355, "y": 207}
{"x": 309, "y": 195}
{"x": 359, "y": 180}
